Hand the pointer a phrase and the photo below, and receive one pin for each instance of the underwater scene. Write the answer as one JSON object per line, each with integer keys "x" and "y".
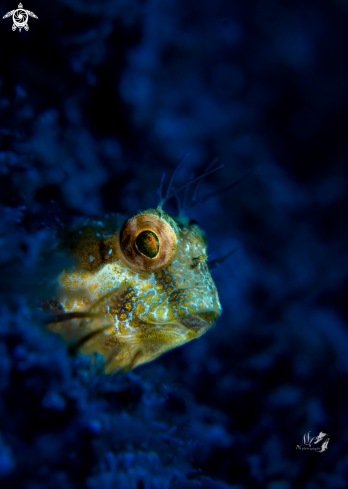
{"x": 173, "y": 244}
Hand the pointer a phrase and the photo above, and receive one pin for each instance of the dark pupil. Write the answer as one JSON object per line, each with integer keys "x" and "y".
{"x": 147, "y": 243}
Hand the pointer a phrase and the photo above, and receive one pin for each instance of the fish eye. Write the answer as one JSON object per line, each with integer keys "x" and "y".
{"x": 147, "y": 244}
{"x": 147, "y": 241}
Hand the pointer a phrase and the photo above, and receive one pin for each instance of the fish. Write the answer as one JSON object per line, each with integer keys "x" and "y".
{"x": 139, "y": 286}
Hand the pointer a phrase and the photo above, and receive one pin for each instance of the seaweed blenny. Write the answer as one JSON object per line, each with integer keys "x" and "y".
{"x": 139, "y": 287}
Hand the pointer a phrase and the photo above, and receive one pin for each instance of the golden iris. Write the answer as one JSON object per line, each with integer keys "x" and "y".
{"x": 148, "y": 240}
{"x": 147, "y": 244}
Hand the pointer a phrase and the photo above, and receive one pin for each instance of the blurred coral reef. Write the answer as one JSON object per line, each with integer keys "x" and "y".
{"x": 98, "y": 99}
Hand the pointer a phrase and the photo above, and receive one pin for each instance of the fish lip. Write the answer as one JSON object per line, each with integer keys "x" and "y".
{"x": 200, "y": 321}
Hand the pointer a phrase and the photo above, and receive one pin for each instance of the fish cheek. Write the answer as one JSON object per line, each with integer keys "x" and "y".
{"x": 144, "y": 345}
{"x": 155, "y": 341}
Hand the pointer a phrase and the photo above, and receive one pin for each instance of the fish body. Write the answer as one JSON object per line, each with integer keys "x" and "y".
{"x": 139, "y": 288}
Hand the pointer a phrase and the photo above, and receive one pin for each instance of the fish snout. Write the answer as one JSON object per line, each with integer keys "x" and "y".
{"x": 201, "y": 322}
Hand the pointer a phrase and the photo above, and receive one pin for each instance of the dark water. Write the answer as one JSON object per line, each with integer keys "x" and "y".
{"x": 97, "y": 99}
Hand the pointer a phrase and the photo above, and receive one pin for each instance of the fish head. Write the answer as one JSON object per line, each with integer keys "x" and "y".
{"x": 140, "y": 287}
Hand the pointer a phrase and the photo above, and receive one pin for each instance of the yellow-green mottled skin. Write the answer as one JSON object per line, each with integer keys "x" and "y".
{"x": 135, "y": 316}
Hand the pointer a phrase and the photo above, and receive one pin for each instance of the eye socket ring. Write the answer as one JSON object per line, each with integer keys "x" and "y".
{"x": 147, "y": 241}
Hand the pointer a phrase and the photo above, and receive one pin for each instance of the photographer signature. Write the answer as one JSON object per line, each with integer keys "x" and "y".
{"x": 317, "y": 443}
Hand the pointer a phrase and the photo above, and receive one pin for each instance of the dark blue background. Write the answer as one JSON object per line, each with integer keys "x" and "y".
{"x": 99, "y": 98}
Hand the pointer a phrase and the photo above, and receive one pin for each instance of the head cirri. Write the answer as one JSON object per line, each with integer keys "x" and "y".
{"x": 140, "y": 287}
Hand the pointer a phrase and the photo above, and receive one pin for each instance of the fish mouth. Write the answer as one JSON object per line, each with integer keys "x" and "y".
{"x": 200, "y": 322}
